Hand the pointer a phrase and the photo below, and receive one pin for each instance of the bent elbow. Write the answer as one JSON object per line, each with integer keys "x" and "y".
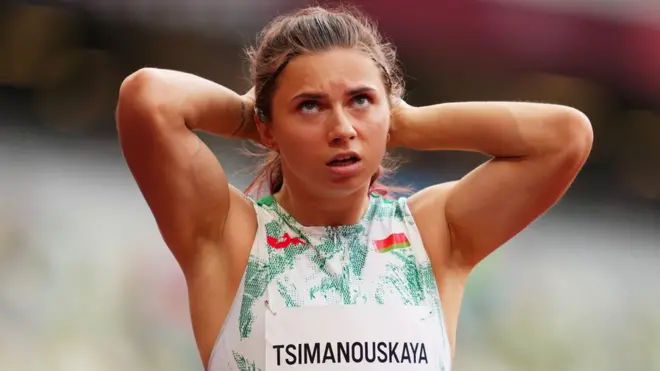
{"x": 135, "y": 88}
{"x": 137, "y": 101}
{"x": 572, "y": 141}
{"x": 581, "y": 134}
{"x": 572, "y": 134}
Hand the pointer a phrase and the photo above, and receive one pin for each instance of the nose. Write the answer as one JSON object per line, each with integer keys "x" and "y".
{"x": 342, "y": 129}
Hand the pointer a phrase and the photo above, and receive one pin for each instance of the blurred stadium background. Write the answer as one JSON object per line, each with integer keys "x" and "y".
{"x": 87, "y": 284}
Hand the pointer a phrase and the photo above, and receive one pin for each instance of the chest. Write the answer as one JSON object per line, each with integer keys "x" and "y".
{"x": 341, "y": 298}
{"x": 305, "y": 310}
{"x": 341, "y": 268}
{"x": 333, "y": 271}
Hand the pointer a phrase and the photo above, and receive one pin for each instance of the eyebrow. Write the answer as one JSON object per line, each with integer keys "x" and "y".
{"x": 317, "y": 95}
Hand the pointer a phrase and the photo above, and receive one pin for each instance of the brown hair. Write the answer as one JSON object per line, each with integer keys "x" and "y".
{"x": 310, "y": 30}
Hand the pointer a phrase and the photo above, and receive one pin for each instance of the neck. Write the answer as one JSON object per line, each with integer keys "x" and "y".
{"x": 311, "y": 209}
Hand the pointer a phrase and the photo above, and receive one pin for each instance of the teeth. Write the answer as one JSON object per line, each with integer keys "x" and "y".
{"x": 345, "y": 158}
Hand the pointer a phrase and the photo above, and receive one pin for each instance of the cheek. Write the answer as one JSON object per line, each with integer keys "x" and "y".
{"x": 300, "y": 136}
{"x": 377, "y": 126}
{"x": 300, "y": 145}
{"x": 375, "y": 141}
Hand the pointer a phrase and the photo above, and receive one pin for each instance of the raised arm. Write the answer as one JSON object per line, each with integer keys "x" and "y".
{"x": 537, "y": 150}
{"x": 180, "y": 178}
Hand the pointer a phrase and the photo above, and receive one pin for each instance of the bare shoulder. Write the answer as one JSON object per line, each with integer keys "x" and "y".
{"x": 240, "y": 227}
{"x": 220, "y": 264}
{"x": 180, "y": 178}
{"x": 426, "y": 207}
{"x": 214, "y": 276}
{"x": 232, "y": 249}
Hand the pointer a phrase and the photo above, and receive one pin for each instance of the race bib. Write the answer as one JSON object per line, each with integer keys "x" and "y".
{"x": 326, "y": 338}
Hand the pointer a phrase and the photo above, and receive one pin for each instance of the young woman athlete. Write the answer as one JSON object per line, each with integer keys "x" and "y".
{"x": 326, "y": 273}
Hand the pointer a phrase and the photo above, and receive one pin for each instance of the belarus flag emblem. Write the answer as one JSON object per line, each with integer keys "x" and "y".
{"x": 391, "y": 242}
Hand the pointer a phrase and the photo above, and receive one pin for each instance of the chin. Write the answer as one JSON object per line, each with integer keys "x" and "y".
{"x": 347, "y": 186}
{"x": 334, "y": 183}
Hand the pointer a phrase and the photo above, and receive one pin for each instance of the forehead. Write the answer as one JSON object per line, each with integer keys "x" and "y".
{"x": 333, "y": 71}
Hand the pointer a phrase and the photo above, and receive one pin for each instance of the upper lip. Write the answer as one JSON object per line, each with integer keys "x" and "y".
{"x": 343, "y": 155}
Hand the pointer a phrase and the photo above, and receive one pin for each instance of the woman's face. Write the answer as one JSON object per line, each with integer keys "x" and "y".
{"x": 329, "y": 121}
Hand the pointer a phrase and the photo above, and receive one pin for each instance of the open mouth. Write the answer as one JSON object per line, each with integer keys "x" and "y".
{"x": 344, "y": 160}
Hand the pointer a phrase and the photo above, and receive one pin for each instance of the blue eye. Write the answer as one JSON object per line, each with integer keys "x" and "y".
{"x": 361, "y": 100}
{"x": 308, "y": 106}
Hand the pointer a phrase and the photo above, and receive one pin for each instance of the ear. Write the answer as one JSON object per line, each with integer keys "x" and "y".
{"x": 265, "y": 132}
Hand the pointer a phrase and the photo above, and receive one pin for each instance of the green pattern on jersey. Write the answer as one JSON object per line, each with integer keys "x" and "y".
{"x": 305, "y": 266}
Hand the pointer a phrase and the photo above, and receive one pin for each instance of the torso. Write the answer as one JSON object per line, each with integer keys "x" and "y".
{"x": 294, "y": 272}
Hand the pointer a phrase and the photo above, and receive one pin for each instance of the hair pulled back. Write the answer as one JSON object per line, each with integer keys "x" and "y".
{"x": 312, "y": 30}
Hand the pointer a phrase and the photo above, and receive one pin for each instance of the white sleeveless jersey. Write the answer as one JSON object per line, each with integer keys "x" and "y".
{"x": 380, "y": 261}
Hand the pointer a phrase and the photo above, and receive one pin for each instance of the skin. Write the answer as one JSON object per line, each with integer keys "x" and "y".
{"x": 326, "y": 104}
{"x": 210, "y": 226}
